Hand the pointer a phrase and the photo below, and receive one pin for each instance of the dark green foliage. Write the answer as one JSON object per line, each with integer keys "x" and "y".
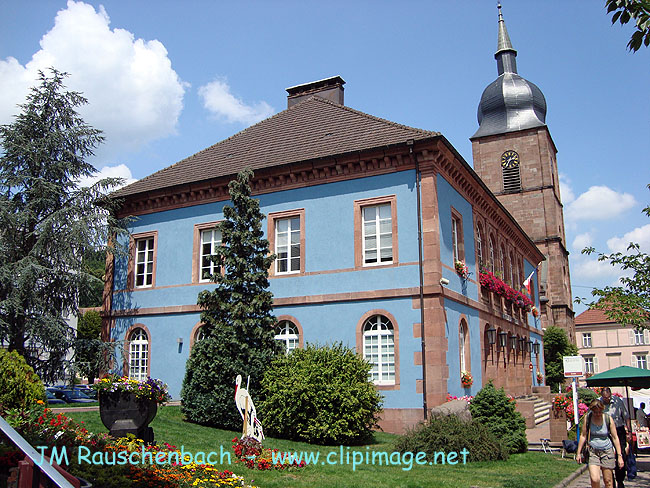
{"x": 94, "y": 263}
{"x": 556, "y": 346}
{"x": 47, "y": 223}
{"x": 496, "y": 411}
{"x": 321, "y": 395}
{"x": 239, "y": 324}
{"x": 447, "y": 433}
{"x": 637, "y": 10}
{"x": 19, "y": 385}
{"x": 89, "y": 351}
{"x": 586, "y": 395}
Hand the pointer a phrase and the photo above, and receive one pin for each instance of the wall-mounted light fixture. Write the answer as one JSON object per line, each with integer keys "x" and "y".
{"x": 513, "y": 342}
{"x": 444, "y": 281}
{"x": 536, "y": 348}
{"x": 503, "y": 339}
{"x": 491, "y": 335}
{"x": 522, "y": 344}
{"x": 529, "y": 345}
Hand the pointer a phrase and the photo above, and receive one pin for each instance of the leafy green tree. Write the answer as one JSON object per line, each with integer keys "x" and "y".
{"x": 239, "y": 324}
{"x": 494, "y": 409}
{"x": 94, "y": 262}
{"x": 556, "y": 346}
{"x": 637, "y": 10}
{"x": 47, "y": 223}
{"x": 19, "y": 385}
{"x": 89, "y": 351}
{"x": 628, "y": 304}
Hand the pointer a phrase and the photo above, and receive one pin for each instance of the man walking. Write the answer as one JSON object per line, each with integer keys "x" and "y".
{"x": 615, "y": 408}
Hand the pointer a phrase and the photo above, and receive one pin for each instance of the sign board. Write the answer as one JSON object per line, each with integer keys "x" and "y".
{"x": 573, "y": 366}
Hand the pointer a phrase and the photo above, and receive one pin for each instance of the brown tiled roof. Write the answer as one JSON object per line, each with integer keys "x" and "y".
{"x": 312, "y": 129}
{"x": 593, "y": 316}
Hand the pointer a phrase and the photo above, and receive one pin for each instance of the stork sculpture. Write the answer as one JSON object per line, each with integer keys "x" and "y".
{"x": 244, "y": 402}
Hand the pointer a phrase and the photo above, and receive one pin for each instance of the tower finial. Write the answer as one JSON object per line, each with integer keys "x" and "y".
{"x": 500, "y": 14}
{"x": 503, "y": 42}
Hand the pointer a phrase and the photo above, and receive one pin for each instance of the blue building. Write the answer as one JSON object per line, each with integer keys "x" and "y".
{"x": 387, "y": 240}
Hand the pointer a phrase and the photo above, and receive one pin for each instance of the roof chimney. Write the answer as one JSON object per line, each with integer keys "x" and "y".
{"x": 329, "y": 88}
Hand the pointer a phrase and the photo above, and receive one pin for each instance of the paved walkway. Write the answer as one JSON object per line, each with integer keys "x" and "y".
{"x": 641, "y": 481}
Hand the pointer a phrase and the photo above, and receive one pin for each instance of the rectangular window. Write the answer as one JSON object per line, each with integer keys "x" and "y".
{"x": 641, "y": 361}
{"x": 377, "y": 235}
{"x": 210, "y": 241}
{"x": 457, "y": 243}
{"x": 286, "y": 234}
{"x": 287, "y": 245}
{"x": 591, "y": 364}
{"x": 586, "y": 339}
{"x": 639, "y": 337}
{"x": 143, "y": 258}
{"x": 375, "y": 232}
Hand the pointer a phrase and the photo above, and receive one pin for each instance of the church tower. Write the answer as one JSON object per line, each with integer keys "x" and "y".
{"x": 515, "y": 156}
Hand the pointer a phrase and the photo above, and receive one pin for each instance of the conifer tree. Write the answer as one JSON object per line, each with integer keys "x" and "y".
{"x": 237, "y": 316}
{"x": 47, "y": 223}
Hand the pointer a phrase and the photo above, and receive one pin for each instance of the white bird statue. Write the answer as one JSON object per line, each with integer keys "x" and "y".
{"x": 244, "y": 402}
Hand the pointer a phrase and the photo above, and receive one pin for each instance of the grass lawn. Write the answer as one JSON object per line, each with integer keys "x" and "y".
{"x": 532, "y": 469}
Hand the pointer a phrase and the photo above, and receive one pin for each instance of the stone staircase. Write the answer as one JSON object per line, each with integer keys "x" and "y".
{"x": 542, "y": 410}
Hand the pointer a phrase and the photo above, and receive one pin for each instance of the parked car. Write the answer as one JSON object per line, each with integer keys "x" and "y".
{"x": 72, "y": 396}
{"x": 51, "y": 399}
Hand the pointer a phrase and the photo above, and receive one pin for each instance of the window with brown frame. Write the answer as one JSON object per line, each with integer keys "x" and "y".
{"x": 142, "y": 260}
{"x": 286, "y": 235}
{"x": 457, "y": 242}
{"x": 375, "y": 231}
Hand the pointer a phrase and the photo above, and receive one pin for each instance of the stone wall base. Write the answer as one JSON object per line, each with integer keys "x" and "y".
{"x": 527, "y": 409}
{"x": 397, "y": 420}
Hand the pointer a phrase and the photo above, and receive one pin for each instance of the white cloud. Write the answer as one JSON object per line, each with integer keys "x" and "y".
{"x": 119, "y": 171}
{"x": 566, "y": 192}
{"x": 640, "y": 235}
{"x": 599, "y": 203}
{"x": 585, "y": 270}
{"x": 581, "y": 241}
{"x": 223, "y": 104}
{"x": 134, "y": 94}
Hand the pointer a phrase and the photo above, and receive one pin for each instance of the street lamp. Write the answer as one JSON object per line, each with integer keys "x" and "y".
{"x": 522, "y": 344}
{"x": 513, "y": 342}
{"x": 530, "y": 346}
{"x": 536, "y": 348}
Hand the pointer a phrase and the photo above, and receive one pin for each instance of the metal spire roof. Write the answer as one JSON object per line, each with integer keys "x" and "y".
{"x": 510, "y": 103}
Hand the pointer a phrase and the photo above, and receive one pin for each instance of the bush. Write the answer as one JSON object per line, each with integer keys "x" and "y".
{"x": 449, "y": 433}
{"x": 19, "y": 385}
{"x": 586, "y": 395}
{"x": 321, "y": 395}
{"x": 494, "y": 409}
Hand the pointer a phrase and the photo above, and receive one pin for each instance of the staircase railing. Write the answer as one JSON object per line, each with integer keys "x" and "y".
{"x": 34, "y": 473}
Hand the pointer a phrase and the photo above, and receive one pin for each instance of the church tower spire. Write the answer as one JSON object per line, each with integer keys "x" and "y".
{"x": 505, "y": 55}
{"x": 515, "y": 156}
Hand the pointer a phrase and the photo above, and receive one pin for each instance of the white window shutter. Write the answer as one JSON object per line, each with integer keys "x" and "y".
{"x": 646, "y": 336}
{"x": 633, "y": 361}
{"x": 632, "y": 336}
{"x": 595, "y": 364}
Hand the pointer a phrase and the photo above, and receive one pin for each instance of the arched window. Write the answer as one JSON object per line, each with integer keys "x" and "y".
{"x": 492, "y": 259}
{"x": 511, "y": 271}
{"x": 199, "y": 335}
{"x": 379, "y": 349}
{"x": 138, "y": 355}
{"x": 502, "y": 262}
{"x": 479, "y": 246}
{"x": 463, "y": 346}
{"x": 287, "y": 333}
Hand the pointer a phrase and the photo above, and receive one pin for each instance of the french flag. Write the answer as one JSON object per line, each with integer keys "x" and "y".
{"x": 528, "y": 284}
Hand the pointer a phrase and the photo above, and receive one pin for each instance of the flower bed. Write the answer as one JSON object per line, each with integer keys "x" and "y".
{"x": 489, "y": 281}
{"x": 250, "y": 452}
{"x": 152, "y": 389}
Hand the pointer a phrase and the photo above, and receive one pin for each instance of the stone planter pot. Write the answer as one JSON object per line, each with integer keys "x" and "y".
{"x": 122, "y": 413}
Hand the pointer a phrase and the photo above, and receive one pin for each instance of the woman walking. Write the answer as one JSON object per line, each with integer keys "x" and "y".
{"x": 599, "y": 431}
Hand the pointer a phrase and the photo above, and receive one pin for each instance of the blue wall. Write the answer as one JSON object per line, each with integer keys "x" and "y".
{"x": 453, "y": 313}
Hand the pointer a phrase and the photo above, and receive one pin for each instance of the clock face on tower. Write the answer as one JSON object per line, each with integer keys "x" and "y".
{"x": 509, "y": 159}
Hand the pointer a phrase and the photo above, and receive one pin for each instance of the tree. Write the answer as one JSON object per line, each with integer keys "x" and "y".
{"x": 629, "y": 304}
{"x": 47, "y": 222}
{"x": 89, "y": 354}
{"x": 626, "y": 10}
{"x": 237, "y": 316}
{"x": 94, "y": 262}
{"x": 556, "y": 346}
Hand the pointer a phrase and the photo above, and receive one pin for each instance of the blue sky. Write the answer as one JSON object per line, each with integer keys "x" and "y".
{"x": 166, "y": 79}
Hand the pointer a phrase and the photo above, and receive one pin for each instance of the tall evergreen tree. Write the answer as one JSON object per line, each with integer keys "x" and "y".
{"x": 47, "y": 222}
{"x": 556, "y": 346}
{"x": 239, "y": 324}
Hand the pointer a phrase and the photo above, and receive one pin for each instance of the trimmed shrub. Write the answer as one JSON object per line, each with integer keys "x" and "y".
{"x": 448, "y": 433}
{"x": 586, "y": 395}
{"x": 494, "y": 409}
{"x": 19, "y": 385}
{"x": 321, "y": 395}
